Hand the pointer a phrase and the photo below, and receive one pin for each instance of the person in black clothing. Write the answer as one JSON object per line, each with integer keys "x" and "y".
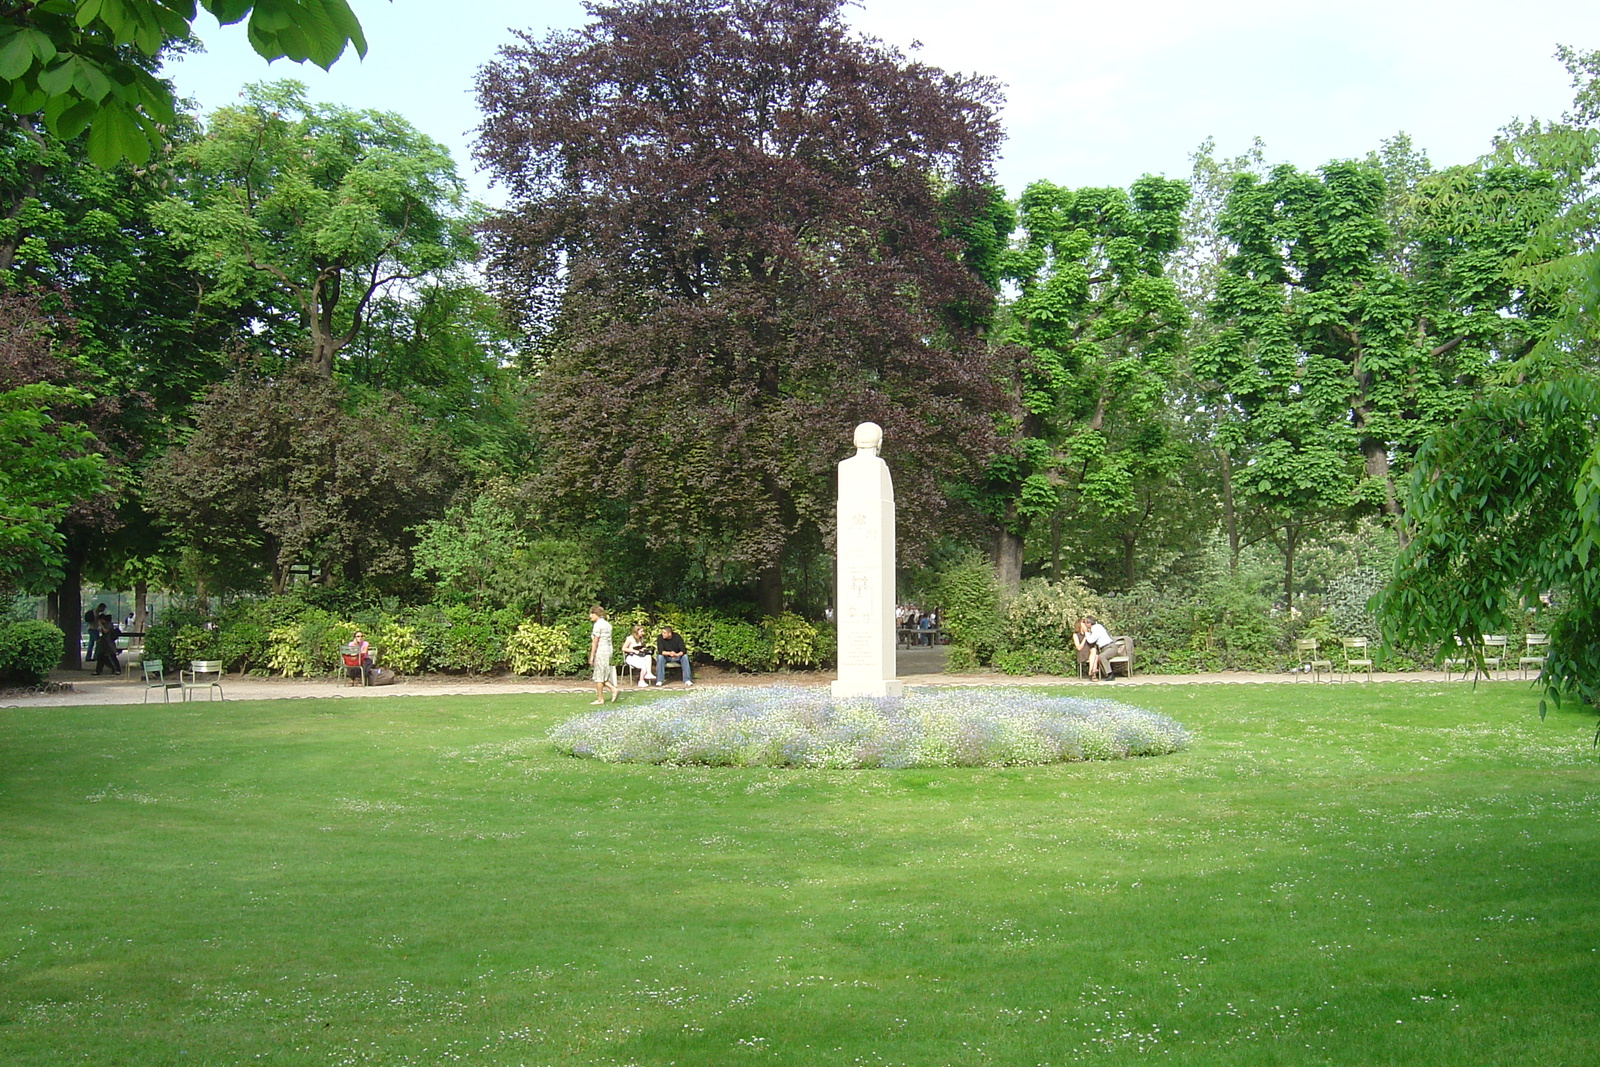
{"x": 106, "y": 650}
{"x": 670, "y": 652}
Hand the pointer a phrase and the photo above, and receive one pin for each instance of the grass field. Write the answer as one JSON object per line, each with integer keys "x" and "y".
{"x": 1367, "y": 874}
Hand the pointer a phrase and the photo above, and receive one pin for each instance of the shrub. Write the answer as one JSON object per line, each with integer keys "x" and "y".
{"x": 177, "y": 615}
{"x": 793, "y": 640}
{"x": 1347, "y": 600}
{"x": 740, "y": 645}
{"x": 309, "y": 645}
{"x": 29, "y": 650}
{"x": 537, "y": 649}
{"x": 1035, "y": 661}
{"x": 693, "y": 625}
{"x": 577, "y": 628}
{"x": 469, "y": 644}
{"x": 242, "y": 644}
{"x": 1043, "y": 614}
{"x": 960, "y": 659}
{"x": 970, "y": 606}
{"x": 827, "y": 645}
{"x": 397, "y": 645}
{"x": 1227, "y": 625}
{"x": 429, "y": 626}
{"x": 191, "y": 643}
{"x": 158, "y": 642}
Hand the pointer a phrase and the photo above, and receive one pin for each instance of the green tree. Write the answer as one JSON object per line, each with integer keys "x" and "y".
{"x": 446, "y": 347}
{"x": 485, "y": 556}
{"x": 1327, "y": 361}
{"x": 1505, "y": 506}
{"x": 314, "y": 211}
{"x": 86, "y": 234}
{"x": 45, "y": 466}
{"x": 85, "y": 66}
{"x": 1558, "y": 263}
{"x": 1096, "y": 328}
{"x": 1506, "y": 495}
{"x": 143, "y": 342}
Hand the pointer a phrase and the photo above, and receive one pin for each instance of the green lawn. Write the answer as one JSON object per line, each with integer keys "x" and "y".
{"x": 1349, "y": 874}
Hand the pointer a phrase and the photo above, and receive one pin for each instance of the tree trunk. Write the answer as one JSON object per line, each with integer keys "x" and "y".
{"x": 323, "y": 298}
{"x": 1007, "y": 558}
{"x": 769, "y": 589}
{"x": 1288, "y": 569}
{"x": 1230, "y": 516}
{"x": 141, "y": 595}
{"x": 33, "y": 174}
{"x": 1055, "y": 547}
{"x": 69, "y": 609}
{"x": 1375, "y": 456}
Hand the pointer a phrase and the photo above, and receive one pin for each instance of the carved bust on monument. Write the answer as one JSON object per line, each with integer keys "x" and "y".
{"x": 864, "y": 597}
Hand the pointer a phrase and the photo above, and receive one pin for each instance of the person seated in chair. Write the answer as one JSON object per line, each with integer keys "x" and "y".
{"x": 1081, "y": 645}
{"x": 671, "y": 652}
{"x": 636, "y": 654}
{"x": 1099, "y": 642}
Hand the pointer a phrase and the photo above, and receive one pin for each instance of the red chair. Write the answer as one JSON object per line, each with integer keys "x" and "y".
{"x": 355, "y": 667}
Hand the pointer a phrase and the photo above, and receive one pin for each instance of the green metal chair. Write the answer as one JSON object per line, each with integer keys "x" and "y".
{"x": 155, "y": 678}
{"x": 203, "y": 674}
{"x": 1356, "y": 656}
{"x": 1311, "y": 660}
{"x": 1538, "y": 647}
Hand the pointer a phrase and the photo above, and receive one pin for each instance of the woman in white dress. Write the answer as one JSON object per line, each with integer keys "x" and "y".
{"x": 600, "y": 668}
{"x": 636, "y": 654}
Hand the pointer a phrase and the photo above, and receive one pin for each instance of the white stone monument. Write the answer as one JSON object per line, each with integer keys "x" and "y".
{"x": 864, "y": 601}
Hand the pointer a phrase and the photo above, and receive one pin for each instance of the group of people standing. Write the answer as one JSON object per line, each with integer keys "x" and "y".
{"x": 916, "y": 626}
{"x": 670, "y": 652}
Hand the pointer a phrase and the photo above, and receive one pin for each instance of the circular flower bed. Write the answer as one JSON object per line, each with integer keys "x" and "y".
{"x": 791, "y": 727}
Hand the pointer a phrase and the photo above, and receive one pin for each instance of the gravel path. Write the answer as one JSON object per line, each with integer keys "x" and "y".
{"x": 82, "y": 688}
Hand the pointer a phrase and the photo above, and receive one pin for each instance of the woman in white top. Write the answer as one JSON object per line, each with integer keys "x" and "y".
{"x": 636, "y": 654}
{"x": 1098, "y": 640}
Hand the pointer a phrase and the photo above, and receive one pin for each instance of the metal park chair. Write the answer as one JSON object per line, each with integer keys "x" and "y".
{"x": 155, "y": 678}
{"x": 1494, "y": 654}
{"x": 1538, "y": 647}
{"x": 1311, "y": 660}
{"x": 203, "y": 674}
{"x": 1356, "y": 656}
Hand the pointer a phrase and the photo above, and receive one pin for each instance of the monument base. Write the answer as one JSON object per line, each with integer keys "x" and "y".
{"x": 886, "y": 687}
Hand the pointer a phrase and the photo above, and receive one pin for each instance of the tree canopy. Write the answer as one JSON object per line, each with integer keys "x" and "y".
{"x": 729, "y": 230}
{"x": 313, "y": 211}
{"x": 85, "y": 66}
{"x": 1097, "y": 330}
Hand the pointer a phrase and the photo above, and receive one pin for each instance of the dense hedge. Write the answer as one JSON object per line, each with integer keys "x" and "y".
{"x": 29, "y": 650}
{"x": 290, "y": 635}
{"x": 1226, "y": 624}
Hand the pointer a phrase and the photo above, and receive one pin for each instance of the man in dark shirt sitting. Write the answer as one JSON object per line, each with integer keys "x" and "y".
{"x": 670, "y": 652}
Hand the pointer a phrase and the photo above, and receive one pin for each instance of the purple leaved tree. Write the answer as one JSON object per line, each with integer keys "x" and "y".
{"x": 729, "y": 231}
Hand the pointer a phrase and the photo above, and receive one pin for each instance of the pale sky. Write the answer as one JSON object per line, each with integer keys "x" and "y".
{"x": 1096, "y": 94}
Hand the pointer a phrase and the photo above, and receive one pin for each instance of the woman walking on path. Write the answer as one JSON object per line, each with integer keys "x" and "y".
{"x": 600, "y": 668}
